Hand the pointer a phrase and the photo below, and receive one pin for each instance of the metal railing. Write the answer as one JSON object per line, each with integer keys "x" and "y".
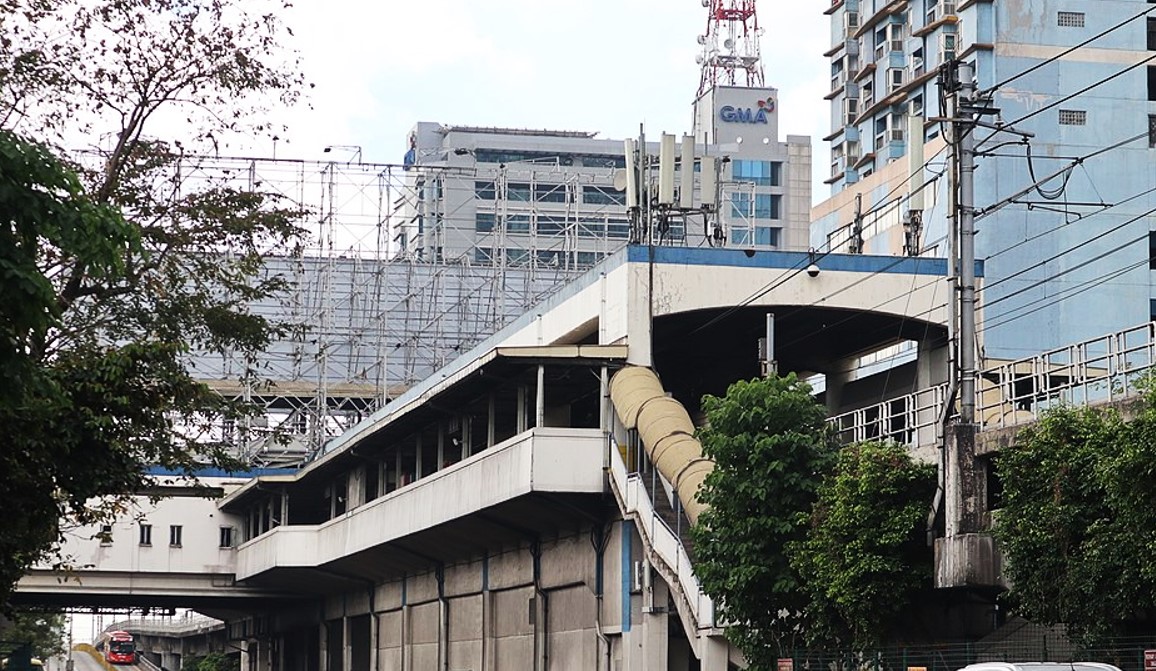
{"x": 660, "y": 540}
{"x": 1099, "y": 370}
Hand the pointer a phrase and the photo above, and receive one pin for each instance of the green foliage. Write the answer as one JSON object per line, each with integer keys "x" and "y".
{"x": 771, "y": 445}
{"x": 44, "y": 632}
{"x": 214, "y": 661}
{"x": 1078, "y": 522}
{"x": 866, "y": 553}
{"x": 111, "y": 276}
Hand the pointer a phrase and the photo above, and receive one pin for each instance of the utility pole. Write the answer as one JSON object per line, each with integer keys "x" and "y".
{"x": 965, "y": 144}
{"x": 961, "y": 475}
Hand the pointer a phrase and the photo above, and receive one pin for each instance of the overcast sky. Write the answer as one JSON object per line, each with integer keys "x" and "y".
{"x": 594, "y": 65}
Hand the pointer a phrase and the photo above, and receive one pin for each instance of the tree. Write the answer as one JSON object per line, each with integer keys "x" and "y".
{"x": 214, "y": 661}
{"x": 113, "y": 267}
{"x": 1077, "y": 524}
{"x": 771, "y": 446}
{"x": 43, "y": 632}
{"x": 865, "y": 555}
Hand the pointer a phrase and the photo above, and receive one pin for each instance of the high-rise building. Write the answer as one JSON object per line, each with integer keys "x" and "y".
{"x": 550, "y": 198}
{"x": 1065, "y": 260}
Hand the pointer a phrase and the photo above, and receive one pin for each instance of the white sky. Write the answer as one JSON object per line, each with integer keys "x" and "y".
{"x": 380, "y": 66}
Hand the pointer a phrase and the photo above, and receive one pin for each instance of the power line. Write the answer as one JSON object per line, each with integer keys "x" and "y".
{"x": 1065, "y": 52}
{"x": 1019, "y": 312}
{"x": 800, "y": 267}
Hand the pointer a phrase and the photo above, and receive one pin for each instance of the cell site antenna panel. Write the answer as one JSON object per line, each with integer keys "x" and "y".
{"x": 730, "y": 47}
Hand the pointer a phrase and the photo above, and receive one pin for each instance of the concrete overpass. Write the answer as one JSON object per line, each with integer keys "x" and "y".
{"x": 501, "y": 514}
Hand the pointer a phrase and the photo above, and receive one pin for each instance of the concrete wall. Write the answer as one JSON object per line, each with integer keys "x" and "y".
{"x": 494, "y": 611}
{"x": 199, "y": 550}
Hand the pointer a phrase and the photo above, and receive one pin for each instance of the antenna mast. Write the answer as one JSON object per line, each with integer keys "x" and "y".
{"x": 730, "y": 45}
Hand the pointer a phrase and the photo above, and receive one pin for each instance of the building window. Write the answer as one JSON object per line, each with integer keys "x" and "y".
{"x": 618, "y": 229}
{"x": 175, "y": 535}
{"x": 551, "y": 225}
{"x": 105, "y": 534}
{"x": 766, "y": 206}
{"x": 226, "y": 537}
{"x": 602, "y": 195}
{"x": 740, "y": 236}
{"x": 760, "y": 173}
{"x": 1073, "y": 117}
{"x": 483, "y": 255}
{"x": 1151, "y": 34}
{"x": 146, "y": 534}
{"x": 1070, "y": 19}
{"x": 518, "y": 223}
{"x": 550, "y": 193}
{"x": 518, "y": 192}
{"x": 485, "y": 190}
{"x": 484, "y": 222}
{"x": 768, "y": 237}
{"x": 1152, "y": 131}
{"x": 1152, "y": 250}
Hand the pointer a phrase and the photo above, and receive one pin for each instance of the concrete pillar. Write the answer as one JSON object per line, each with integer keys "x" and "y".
{"x": 715, "y": 653}
{"x": 638, "y": 315}
{"x": 836, "y": 380}
{"x": 655, "y": 623}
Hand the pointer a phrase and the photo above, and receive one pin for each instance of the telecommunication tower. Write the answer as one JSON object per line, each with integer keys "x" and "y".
{"x": 730, "y": 45}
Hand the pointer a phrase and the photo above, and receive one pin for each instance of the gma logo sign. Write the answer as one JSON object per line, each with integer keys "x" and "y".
{"x": 757, "y": 114}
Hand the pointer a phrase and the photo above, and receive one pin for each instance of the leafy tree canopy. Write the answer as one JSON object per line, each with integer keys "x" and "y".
{"x": 1077, "y": 525}
{"x": 771, "y": 445}
{"x": 114, "y": 266}
{"x": 866, "y": 555}
{"x": 43, "y": 632}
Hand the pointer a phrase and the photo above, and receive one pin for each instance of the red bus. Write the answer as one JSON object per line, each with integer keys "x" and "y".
{"x": 119, "y": 648}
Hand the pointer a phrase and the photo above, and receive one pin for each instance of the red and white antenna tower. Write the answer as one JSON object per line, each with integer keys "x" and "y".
{"x": 730, "y": 45}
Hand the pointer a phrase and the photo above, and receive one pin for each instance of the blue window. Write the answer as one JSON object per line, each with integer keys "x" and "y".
{"x": 618, "y": 229}
{"x": 483, "y": 255}
{"x": 550, "y": 193}
{"x": 484, "y": 222}
{"x": 591, "y": 228}
{"x": 740, "y": 236}
{"x": 602, "y": 195}
{"x": 550, "y": 225}
{"x": 518, "y": 223}
{"x": 761, "y": 173}
{"x": 518, "y": 192}
{"x": 766, "y": 206}
{"x": 767, "y": 236}
{"x": 586, "y": 259}
{"x": 485, "y": 190}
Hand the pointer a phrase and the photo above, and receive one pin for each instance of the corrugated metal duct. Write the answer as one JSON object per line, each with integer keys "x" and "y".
{"x": 666, "y": 432}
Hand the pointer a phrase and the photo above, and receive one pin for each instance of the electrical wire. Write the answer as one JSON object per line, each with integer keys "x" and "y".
{"x": 1067, "y": 51}
{"x": 801, "y": 266}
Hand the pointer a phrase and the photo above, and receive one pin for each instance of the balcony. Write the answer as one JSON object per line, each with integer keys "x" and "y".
{"x": 543, "y": 461}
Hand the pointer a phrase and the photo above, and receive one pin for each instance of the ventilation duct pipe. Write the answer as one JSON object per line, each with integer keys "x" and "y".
{"x": 666, "y": 431}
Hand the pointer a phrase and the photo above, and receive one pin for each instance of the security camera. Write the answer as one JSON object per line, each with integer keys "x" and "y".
{"x": 813, "y": 270}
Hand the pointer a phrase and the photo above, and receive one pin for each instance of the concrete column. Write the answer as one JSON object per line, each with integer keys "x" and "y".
{"x": 655, "y": 624}
{"x": 715, "y": 653}
{"x": 540, "y": 398}
{"x": 836, "y": 381}
{"x": 523, "y": 420}
{"x": 346, "y": 648}
{"x": 638, "y": 308}
{"x": 491, "y": 430}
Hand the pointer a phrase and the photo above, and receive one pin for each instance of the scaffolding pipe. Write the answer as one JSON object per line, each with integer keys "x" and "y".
{"x": 666, "y": 431}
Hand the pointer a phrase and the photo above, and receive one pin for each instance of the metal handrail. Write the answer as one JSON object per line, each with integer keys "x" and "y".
{"x": 1102, "y": 369}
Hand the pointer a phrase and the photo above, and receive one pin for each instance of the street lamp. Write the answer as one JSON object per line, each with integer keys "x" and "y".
{"x": 353, "y": 148}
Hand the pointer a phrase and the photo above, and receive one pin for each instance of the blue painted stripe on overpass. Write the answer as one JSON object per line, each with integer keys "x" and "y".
{"x": 219, "y": 472}
{"x": 863, "y": 263}
{"x": 627, "y": 541}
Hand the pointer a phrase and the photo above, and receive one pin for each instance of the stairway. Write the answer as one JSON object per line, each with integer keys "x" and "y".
{"x": 677, "y": 521}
